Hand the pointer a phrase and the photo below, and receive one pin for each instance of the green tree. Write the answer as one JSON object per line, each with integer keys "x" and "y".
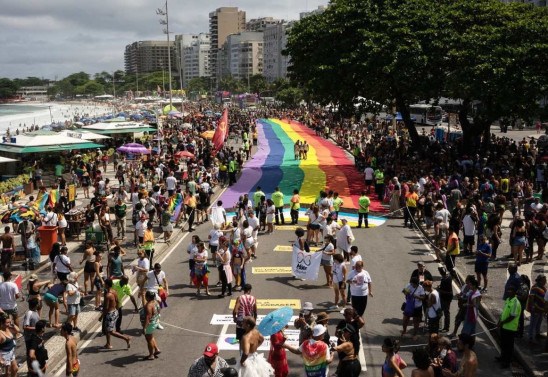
{"x": 290, "y": 97}
{"x": 382, "y": 50}
{"x": 91, "y": 88}
{"x": 199, "y": 85}
{"x": 232, "y": 85}
{"x": 7, "y": 88}
{"x": 496, "y": 62}
{"x": 258, "y": 84}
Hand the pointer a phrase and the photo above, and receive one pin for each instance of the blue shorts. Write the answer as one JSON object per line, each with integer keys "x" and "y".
{"x": 518, "y": 241}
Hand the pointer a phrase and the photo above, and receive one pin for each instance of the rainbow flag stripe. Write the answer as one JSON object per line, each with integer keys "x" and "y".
{"x": 273, "y": 165}
{"x": 175, "y": 205}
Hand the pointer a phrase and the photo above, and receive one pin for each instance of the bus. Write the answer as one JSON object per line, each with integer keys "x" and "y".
{"x": 426, "y": 114}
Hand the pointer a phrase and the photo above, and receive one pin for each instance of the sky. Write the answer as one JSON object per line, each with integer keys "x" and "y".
{"x": 53, "y": 38}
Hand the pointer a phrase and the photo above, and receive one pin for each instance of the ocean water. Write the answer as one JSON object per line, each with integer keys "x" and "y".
{"x": 8, "y": 110}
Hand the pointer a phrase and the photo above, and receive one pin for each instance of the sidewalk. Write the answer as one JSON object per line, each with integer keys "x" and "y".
{"x": 532, "y": 358}
{"x": 88, "y": 318}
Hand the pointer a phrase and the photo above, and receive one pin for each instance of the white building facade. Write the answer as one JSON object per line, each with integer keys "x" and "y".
{"x": 193, "y": 57}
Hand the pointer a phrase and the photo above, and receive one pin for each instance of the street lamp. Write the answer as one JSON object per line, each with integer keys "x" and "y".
{"x": 165, "y": 21}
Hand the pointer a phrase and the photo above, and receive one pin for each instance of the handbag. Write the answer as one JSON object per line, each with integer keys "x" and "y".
{"x": 161, "y": 291}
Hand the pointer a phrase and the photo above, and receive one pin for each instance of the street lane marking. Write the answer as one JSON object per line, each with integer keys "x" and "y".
{"x": 286, "y": 227}
{"x": 271, "y": 270}
{"x": 289, "y": 248}
{"x": 224, "y": 319}
{"x": 272, "y": 303}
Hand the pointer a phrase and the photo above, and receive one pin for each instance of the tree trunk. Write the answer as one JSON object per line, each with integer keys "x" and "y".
{"x": 406, "y": 115}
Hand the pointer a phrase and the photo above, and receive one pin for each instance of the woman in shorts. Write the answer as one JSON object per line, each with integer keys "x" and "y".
{"x": 152, "y": 318}
{"x": 339, "y": 281}
{"x": 192, "y": 250}
{"x": 98, "y": 281}
{"x": 51, "y": 298}
{"x": 414, "y": 296}
{"x": 89, "y": 266}
{"x": 328, "y": 250}
{"x": 8, "y": 332}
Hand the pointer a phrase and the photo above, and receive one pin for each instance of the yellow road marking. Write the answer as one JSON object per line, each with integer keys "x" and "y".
{"x": 271, "y": 270}
{"x": 273, "y": 303}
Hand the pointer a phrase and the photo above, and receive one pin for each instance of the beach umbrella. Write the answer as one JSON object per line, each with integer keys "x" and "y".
{"x": 136, "y": 117}
{"x": 168, "y": 108}
{"x": 133, "y": 148}
{"x": 186, "y": 126}
{"x": 184, "y": 154}
{"x": 275, "y": 321}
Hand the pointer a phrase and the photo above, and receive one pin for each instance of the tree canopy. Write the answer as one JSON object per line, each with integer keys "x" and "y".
{"x": 489, "y": 54}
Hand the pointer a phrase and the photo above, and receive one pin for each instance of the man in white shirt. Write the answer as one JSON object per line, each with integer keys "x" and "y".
{"x": 140, "y": 228}
{"x": 369, "y": 173}
{"x": 9, "y": 294}
{"x": 155, "y": 278}
{"x": 50, "y": 219}
{"x": 253, "y": 222}
{"x": 360, "y": 287}
{"x": 469, "y": 228}
{"x": 171, "y": 184}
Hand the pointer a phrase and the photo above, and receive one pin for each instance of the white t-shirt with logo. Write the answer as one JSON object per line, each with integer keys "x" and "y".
{"x": 359, "y": 282}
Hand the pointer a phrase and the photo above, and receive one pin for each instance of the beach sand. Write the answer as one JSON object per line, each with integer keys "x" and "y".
{"x": 59, "y": 113}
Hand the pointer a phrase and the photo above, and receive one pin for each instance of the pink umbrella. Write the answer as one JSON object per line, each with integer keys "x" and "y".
{"x": 182, "y": 154}
{"x": 133, "y": 148}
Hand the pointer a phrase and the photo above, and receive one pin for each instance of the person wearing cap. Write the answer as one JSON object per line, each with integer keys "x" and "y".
{"x": 305, "y": 322}
{"x": 315, "y": 353}
{"x": 421, "y": 272}
{"x": 253, "y": 364}
{"x": 323, "y": 319}
{"x": 72, "y": 297}
{"x": 209, "y": 364}
{"x": 349, "y": 365}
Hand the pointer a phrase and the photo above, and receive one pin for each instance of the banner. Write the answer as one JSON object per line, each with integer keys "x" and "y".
{"x": 71, "y": 193}
{"x": 221, "y": 131}
{"x": 305, "y": 265}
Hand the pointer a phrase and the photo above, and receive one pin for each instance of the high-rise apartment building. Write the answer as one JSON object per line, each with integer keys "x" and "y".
{"x": 193, "y": 56}
{"x": 223, "y": 22}
{"x": 318, "y": 10}
{"x": 149, "y": 56}
{"x": 242, "y": 55}
{"x": 260, "y": 24}
{"x": 275, "y": 41}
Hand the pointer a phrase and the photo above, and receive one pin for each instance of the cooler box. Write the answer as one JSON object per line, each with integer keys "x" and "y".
{"x": 48, "y": 236}
{"x": 97, "y": 237}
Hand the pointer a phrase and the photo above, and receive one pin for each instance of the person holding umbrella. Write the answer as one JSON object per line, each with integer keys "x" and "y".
{"x": 273, "y": 324}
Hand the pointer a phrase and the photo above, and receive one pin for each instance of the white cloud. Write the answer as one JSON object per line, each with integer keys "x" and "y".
{"x": 58, "y": 37}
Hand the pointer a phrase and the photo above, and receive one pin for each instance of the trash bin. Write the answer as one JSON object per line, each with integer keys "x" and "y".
{"x": 48, "y": 236}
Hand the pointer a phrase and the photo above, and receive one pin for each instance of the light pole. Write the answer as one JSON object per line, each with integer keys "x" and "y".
{"x": 165, "y": 21}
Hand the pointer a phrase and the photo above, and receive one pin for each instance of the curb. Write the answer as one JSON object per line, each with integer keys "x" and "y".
{"x": 485, "y": 312}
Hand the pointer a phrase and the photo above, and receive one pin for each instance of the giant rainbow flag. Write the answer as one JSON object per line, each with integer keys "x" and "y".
{"x": 327, "y": 167}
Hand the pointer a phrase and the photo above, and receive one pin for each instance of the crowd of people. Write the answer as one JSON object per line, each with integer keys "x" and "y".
{"x": 444, "y": 190}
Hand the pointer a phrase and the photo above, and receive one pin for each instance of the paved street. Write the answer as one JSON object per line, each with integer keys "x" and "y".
{"x": 389, "y": 251}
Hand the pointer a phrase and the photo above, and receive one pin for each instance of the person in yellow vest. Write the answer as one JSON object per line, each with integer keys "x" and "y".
{"x": 411, "y": 199}
{"x": 337, "y": 203}
{"x": 363, "y": 210}
{"x": 453, "y": 249}
{"x": 508, "y": 325}
{"x": 379, "y": 183}
{"x": 278, "y": 199}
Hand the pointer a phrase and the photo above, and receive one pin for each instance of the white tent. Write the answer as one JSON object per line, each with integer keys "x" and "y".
{"x": 5, "y": 159}
{"x": 83, "y": 134}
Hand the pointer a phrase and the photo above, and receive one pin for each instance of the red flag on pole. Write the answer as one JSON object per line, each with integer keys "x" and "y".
{"x": 221, "y": 131}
